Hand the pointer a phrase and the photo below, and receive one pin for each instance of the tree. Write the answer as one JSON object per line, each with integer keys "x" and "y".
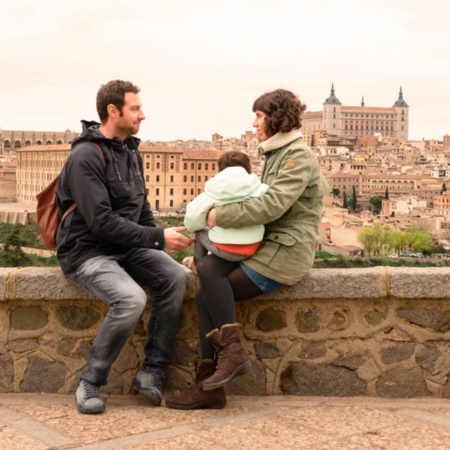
{"x": 375, "y": 239}
{"x": 354, "y": 201}
{"x": 376, "y": 202}
{"x": 444, "y": 187}
{"x": 421, "y": 241}
{"x": 12, "y": 252}
{"x": 399, "y": 241}
{"x": 345, "y": 203}
{"x": 335, "y": 192}
{"x": 386, "y": 194}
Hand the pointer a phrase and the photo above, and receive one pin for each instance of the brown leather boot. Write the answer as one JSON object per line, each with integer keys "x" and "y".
{"x": 233, "y": 360}
{"x": 195, "y": 397}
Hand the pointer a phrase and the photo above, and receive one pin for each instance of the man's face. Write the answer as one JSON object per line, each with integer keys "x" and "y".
{"x": 128, "y": 121}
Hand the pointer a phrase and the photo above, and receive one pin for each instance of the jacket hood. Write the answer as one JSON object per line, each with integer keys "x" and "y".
{"x": 232, "y": 183}
{"x": 91, "y": 133}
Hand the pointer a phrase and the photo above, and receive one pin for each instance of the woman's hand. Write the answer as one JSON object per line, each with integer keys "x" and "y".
{"x": 211, "y": 218}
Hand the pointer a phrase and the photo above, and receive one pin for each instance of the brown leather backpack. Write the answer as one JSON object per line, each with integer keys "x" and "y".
{"x": 47, "y": 210}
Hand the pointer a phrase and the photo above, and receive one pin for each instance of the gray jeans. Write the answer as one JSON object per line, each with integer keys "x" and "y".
{"x": 203, "y": 246}
{"x": 116, "y": 280}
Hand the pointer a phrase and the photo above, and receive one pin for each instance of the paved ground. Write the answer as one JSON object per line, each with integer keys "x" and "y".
{"x": 41, "y": 422}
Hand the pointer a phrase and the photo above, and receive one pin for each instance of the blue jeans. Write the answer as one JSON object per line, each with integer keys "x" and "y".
{"x": 116, "y": 279}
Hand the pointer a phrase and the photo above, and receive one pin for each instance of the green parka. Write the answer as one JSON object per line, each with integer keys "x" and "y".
{"x": 291, "y": 209}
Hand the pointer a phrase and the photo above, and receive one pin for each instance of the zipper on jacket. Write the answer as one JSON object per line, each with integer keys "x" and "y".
{"x": 115, "y": 164}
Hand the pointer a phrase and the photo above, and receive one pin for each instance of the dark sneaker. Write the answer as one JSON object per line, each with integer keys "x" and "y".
{"x": 149, "y": 383}
{"x": 87, "y": 398}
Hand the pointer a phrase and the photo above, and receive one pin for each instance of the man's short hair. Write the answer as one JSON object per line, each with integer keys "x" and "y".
{"x": 113, "y": 93}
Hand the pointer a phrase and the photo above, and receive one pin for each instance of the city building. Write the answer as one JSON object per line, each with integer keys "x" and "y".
{"x": 173, "y": 176}
{"x": 357, "y": 121}
{"x": 11, "y": 140}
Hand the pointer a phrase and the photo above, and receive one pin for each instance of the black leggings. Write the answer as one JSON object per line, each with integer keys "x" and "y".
{"x": 222, "y": 283}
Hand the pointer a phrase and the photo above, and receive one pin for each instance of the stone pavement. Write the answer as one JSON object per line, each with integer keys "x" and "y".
{"x": 50, "y": 421}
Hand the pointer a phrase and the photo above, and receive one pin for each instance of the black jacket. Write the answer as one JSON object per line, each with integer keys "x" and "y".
{"x": 113, "y": 213}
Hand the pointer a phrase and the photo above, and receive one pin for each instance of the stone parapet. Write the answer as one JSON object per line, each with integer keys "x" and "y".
{"x": 339, "y": 332}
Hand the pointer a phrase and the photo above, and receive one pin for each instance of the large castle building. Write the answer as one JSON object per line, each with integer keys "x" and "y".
{"x": 356, "y": 121}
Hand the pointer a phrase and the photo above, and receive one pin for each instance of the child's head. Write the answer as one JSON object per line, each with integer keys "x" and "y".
{"x": 234, "y": 158}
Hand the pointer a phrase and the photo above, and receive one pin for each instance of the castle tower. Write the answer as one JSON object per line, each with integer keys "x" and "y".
{"x": 402, "y": 109}
{"x": 332, "y": 114}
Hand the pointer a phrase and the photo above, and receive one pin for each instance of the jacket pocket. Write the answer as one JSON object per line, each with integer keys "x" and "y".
{"x": 271, "y": 246}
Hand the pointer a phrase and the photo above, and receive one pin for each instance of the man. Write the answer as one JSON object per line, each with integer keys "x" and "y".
{"x": 110, "y": 244}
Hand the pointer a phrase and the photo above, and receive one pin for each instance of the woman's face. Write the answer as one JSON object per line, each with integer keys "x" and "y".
{"x": 260, "y": 125}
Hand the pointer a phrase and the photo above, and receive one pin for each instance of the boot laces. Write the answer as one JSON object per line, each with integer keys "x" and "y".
{"x": 91, "y": 391}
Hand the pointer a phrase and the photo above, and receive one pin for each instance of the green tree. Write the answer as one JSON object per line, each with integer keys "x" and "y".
{"x": 12, "y": 252}
{"x": 399, "y": 241}
{"x": 376, "y": 239}
{"x": 335, "y": 192}
{"x": 376, "y": 203}
{"x": 444, "y": 187}
{"x": 345, "y": 202}
{"x": 354, "y": 200}
{"x": 421, "y": 241}
{"x": 366, "y": 239}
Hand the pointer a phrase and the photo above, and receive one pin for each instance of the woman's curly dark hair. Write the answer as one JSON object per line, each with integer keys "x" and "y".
{"x": 283, "y": 111}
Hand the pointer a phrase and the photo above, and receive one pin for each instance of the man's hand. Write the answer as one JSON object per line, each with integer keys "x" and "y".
{"x": 174, "y": 240}
{"x": 211, "y": 218}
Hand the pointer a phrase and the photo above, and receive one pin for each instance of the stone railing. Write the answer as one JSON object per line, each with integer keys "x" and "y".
{"x": 339, "y": 332}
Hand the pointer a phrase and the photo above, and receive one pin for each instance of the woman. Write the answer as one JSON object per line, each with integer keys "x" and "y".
{"x": 291, "y": 210}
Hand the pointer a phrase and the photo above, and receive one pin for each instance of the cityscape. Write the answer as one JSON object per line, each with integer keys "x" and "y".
{"x": 377, "y": 175}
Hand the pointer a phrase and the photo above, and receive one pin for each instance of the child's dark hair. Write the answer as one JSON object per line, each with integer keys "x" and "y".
{"x": 234, "y": 158}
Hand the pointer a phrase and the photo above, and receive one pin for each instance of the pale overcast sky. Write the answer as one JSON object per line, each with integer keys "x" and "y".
{"x": 200, "y": 64}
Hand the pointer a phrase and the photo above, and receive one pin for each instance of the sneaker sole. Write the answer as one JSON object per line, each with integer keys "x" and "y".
{"x": 244, "y": 368}
{"x": 90, "y": 410}
{"x": 152, "y": 395}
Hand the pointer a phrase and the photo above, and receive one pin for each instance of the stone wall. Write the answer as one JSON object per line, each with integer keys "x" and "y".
{"x": 339, "y": 332}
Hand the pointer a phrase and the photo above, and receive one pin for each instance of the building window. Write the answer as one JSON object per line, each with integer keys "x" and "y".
{"x": 157, "y": 178}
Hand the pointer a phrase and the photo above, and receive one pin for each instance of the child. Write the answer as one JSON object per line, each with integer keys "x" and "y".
{"x": 233, "y": 183}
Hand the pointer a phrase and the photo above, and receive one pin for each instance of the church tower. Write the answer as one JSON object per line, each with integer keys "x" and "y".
{"x": 332, "y": 114}
{"x": 402, "y": 109}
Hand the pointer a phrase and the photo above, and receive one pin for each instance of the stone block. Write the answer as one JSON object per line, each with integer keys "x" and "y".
{"x": 419, "y": 282}
{"x": 402, "y": 383}
{"x": 42, "y": 375}
{"x": 337, "y": 283}
{"x": 322, "y": 380}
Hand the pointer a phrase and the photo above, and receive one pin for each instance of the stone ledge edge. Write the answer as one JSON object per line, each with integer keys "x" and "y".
{"x": 35, "y": 283}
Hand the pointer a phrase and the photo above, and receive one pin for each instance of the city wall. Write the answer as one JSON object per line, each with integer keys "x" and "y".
{"x": 381, "y": 332}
